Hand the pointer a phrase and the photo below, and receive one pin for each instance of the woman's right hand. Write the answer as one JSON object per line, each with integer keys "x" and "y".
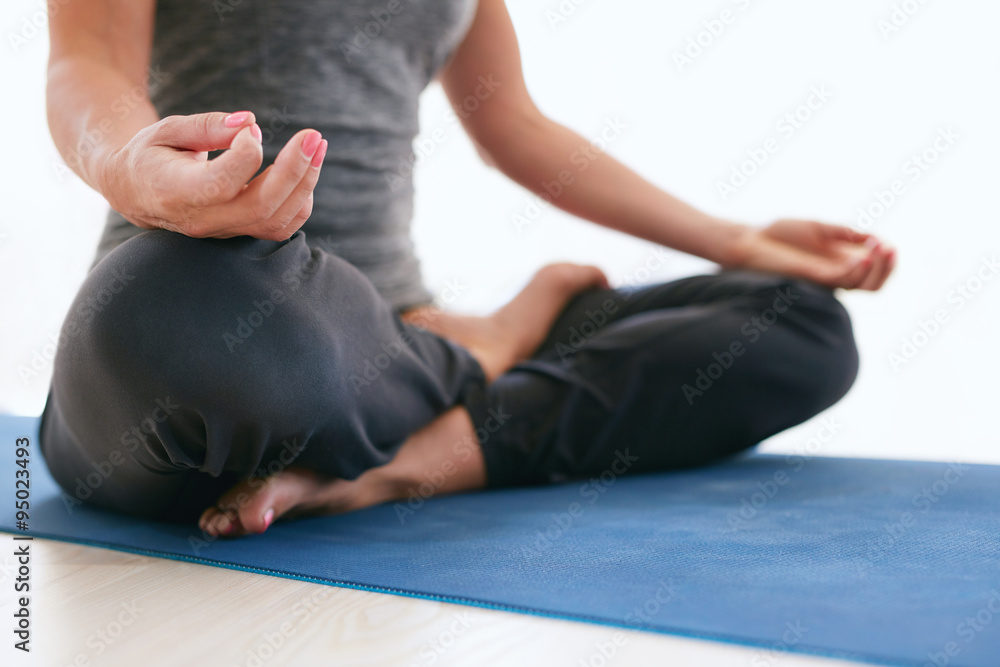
{"x": 162, "y": 178}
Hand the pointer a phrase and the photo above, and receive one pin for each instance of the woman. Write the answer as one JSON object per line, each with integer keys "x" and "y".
{"x": 568, "y": 379}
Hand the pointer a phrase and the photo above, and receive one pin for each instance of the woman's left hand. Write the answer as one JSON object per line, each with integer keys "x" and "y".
{"x": 831, "y": 255}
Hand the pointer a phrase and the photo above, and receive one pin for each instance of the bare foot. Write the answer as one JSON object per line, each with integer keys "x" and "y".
{"x": 514, "y": 332}
{"x": 442, "y": 457}
{"x": 440, "y": 450}
{"x": 254, "y": 504}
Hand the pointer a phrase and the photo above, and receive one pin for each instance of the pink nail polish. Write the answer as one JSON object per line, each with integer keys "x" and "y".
{"x": 320, "y": 154}
{"x": 255, "y": 132}
{"x": 236, "y": 119}
{"x": 310, "y": 143}
{"x": 268, "y": 518}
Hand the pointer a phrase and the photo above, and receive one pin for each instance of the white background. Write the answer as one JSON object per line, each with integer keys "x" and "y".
{"x": 686, "y": 131}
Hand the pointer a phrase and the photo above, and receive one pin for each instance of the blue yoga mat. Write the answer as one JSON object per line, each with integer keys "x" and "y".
{"x": 888, "y": 562}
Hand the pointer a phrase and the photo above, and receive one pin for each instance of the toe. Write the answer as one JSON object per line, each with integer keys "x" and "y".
{"x": 251, "y": 508}
{"x": 255, "y": 515}
{"x": 217, "y": 522}
{"x": 287, "y": 490}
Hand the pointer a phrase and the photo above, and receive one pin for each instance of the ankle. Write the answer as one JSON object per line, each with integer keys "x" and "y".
{"x": 385, "y": 483}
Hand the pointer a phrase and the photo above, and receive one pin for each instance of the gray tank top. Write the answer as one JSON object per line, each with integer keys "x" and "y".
{"x": 352, "y": 69}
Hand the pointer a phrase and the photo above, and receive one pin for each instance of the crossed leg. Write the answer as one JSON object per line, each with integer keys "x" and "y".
{"x": 210, "y": 361}
{"x": 628, "y": 397}
{"x": 498, "y": 342}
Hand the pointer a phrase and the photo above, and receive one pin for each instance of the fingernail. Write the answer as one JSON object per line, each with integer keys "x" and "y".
{"x": 236, "y": 119}
{"x": 320, "y": 154}
{"x": 255, "y": 131}
{"x": 268, "y": 518}
{"x": 310, "y": 143}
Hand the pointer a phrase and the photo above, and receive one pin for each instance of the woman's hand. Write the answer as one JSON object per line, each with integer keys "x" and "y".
{"x": 831, "y": 255}
{"x": 163, "y": 179}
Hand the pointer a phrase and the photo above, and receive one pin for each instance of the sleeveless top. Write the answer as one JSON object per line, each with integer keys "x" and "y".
{"x": 352, "y": 69}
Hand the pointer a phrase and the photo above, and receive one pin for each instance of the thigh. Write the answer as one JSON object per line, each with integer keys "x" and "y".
{"x": 590, "y": 311}
{"x": 682, "y": 374}
{"x": 191, "y": 363}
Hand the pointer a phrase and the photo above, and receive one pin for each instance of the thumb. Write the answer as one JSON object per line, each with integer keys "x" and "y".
{"x": 841, "y": 233}
{"x": 231, "y": 170}
{"x": 201, "y": 131}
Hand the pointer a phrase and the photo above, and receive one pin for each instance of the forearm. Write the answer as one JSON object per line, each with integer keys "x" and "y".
{"x": 93, "y": 109}
{"x": 599, "y": 188}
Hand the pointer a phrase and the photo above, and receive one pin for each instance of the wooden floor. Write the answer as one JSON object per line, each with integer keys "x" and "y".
{"x": 93, "y": 606}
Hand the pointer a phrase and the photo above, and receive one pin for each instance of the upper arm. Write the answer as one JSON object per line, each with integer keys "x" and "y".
{"x": 488, "y": 58}
{"x": 115, "y": 33}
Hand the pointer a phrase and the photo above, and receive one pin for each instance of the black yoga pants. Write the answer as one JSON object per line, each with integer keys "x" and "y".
{"x": 186, "y": 365}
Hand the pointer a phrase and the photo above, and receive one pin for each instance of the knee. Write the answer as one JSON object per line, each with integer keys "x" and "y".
{"x": 161, "y": 297}
{"x": 113, "y": 370}
{"x": 146, "y": 331}
{"x": 828, "y": 351}
{"x": 814, "y": 356}
{"x": 133, "y": 304}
